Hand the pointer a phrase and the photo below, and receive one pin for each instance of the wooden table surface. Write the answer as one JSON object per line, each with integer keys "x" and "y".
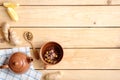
{"x": 88, "y": 30}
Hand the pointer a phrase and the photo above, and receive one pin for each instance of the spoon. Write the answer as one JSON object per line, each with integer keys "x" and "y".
{"x": 29, "y": 37}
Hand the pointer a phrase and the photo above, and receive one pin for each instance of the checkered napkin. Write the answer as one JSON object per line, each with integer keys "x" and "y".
{"x": 6, "y": 74}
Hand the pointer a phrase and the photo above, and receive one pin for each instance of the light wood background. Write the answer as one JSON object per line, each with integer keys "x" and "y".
{"x": 88, "y": 30}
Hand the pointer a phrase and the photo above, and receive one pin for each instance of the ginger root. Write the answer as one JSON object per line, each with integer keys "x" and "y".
{"x": 10, "y": 35}
{"x": 14, "y": 39}
{"x": 53, "y": 76}
{"x": 5, "y": 30}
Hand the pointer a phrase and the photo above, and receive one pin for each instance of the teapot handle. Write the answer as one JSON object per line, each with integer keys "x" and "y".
{"x": 4, "y": 66}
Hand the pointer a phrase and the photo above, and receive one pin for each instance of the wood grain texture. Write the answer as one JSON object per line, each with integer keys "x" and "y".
{"x": 88, "y": 52}
{"x": 61, "y": 2}
{"x": 64, "y": 16}
{"x": 86, "y": 74}
{"x": 86, "y": 59}
{"x": 71, "y": 37}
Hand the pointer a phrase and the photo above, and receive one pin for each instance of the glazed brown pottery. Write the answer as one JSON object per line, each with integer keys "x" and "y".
{"x": 51, "y": 53}
{"x": 18, "y": 63}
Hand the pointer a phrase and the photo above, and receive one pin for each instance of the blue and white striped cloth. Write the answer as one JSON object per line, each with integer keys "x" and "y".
{"x": 6, "y": 74}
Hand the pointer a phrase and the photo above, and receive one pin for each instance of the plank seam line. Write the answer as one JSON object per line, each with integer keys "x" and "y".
{"x": 72, "y": 5}
{"x": 63, "y": 27}
{"x": 80, "y": 48}
{"x": 77, "y": 69}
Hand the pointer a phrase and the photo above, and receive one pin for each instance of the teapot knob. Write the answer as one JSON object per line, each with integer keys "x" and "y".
{"x": 15, "y": 63}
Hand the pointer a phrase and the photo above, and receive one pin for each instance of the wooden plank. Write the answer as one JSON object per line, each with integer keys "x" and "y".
{"x": 86, "y": 74}
{"x": 71, "y": 37}
{"x": 60, "y": 2}
{"x": 64, "y": 16}
{"x": 86, "y": 59}
{"x": 117, "y": 2}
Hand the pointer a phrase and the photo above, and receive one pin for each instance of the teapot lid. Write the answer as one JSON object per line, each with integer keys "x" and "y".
{"x": 19, "y": 62}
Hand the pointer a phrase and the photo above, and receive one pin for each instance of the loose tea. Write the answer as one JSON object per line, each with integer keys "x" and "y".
{"x": 51, "y": 55}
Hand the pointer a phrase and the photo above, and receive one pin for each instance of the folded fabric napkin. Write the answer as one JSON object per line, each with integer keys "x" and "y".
{"x": 6, "y": 74}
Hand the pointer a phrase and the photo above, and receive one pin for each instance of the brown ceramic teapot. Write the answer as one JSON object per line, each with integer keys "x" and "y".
{"x": 18, "y": 63}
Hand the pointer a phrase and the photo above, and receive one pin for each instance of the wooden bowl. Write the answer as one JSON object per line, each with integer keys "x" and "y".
{"x": 51, "y": 53}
